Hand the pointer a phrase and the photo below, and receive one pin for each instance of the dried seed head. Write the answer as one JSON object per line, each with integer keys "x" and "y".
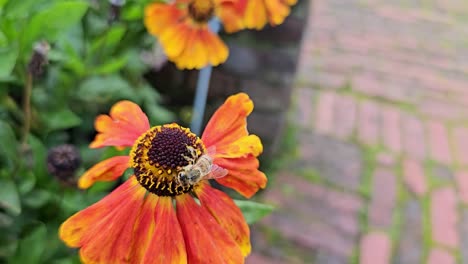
{"x": 38, "y": 59}
{"x": 62, "y": 162}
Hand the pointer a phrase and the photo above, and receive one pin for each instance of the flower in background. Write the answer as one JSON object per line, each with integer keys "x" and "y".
{"x": 259, "y": 12}
{"x": 152, "y": 217}
{"x": 182, "y": 29}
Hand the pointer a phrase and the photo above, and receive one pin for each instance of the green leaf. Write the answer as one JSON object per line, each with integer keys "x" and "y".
{"x": 57, "y": 18}
{"x": 8, "y": 245}
{"x": 5, "y": 220}
{"x": 133, "y": 12}
{"x": 111, "y": 65}
{"x": 28, "y": 180}
{"x": 31, "y": 246}
{"x": 9, "y": 198}
{"x": 107, "y": 42}
{"x": 253, "y": 211}
{"x": 3, "y": 39}
{"x": 39, "y": 157}
{"x": 105, "y": 89}
{"x": 60, "y": 119}
{"x": 8, "y": 143}
{"x": 18, "y": 9}
{"x": 8, "y": 61}
{"x": 37, "y": 198}
{"x": 2, "y": 3}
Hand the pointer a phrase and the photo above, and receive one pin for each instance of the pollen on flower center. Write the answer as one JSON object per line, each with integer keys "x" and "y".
{"x": 201, "y": 11}
{"x": 160, "y": 154}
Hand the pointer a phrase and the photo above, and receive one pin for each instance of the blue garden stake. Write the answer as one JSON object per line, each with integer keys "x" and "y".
{"x": 201, "y": 91}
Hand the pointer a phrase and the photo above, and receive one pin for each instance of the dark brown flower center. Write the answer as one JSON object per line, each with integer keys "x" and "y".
{"x": 160, "y": 154}
{"x": 201, "y": 11}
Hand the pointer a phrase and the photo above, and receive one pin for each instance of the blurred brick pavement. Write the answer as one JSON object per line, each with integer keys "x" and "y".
{"x": 381, "y": 122}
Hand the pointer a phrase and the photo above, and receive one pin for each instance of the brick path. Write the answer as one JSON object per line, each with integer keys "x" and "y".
{"x": 380, "y": 173}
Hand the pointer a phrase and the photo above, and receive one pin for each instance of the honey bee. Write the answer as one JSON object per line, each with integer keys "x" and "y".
{"x": 199, "y": 168}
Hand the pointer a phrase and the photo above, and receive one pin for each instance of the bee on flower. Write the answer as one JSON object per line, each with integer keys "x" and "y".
{"x": 167, "y": 212}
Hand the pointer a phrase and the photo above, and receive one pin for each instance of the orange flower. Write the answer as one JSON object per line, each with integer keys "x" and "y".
{"x": 182, "y": 29}
{"x": 154, "y": 217}
{"x": 259, "y": 12}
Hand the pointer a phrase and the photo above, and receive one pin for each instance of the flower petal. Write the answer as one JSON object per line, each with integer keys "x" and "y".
{"x": 231, "y": 14}
{"x": 160, "y": 16}
{"x": 106, "y": 170}
{"x": 227, "y": 214}
{"x": 201, "y": 47}
{"x": 86, "y": 225}
{"x": 124, "y": 125}
{"x": 158, "y": 236}
{"x": 217, "y": 51}
{"x": 255, "y": 16}
{"x": 229, "y": 122}
{"x": 206, "y": 241}
{"x": 243, "y": 176}
{"x": 277, "y": 11}
{"x": 236, "y": 150}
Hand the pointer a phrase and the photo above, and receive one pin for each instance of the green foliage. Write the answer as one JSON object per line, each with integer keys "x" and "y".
{"x": 253, "y": 211}
{"x": 92, "y": 63}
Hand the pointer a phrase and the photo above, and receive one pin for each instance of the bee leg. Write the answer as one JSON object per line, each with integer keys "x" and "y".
{"x": 193, "y": 152}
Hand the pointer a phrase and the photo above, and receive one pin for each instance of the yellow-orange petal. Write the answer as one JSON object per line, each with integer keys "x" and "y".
{"x": 106, "y": 170}
{"x": 174, "y": 39}
{"x": 244, "y": 146}
{"x": 260, "y": 12}
{"x": 77, "y": 230}
{"x": 229, "y": 122}
{"x": 243, "y": 175}
{"x": 206, "y": 241}
{"x": 231, "y": 14}
{"x": 160, "y": 16}
{"x": 202, "y": 47}
{"x": 217, "y": 51}
{"x": 158, "y": 236}
{"x": 290, "y": 2}
{"x": 236, "y": 150}
{"x": 122, "y": 127}
{"x": 255, "y": 16}
{"x": 277, "y": 11}
{"x": 227, "y": 214}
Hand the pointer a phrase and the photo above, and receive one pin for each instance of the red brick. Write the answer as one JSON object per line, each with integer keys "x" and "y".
{"x": 325, "y": 79}
{"x": 440, "y": 256}
{"x": 377, "y": 82}
{"x": 460, "y": 138}
{"x": 386, "y": 159}
{"x": 375, "y": 248}
{"x": 367, "y": 83}
{"x": 324, "y": 117}
{"x": 413, "y": 176}
{"x": 383, "y": 199}
{"x": 461, "y": 178}
{"x": 311, "y": 234}
{"x": 413, "y": 137}
{"x": 368, "y": 123}
{"x": 345, "y": 116}
{"x": 438, "y": 142}
{"x": 391, "y": 129}
{"x": 455, "y": 6}
{"x": 304, "y": 107}
{"x": 256, "y": 258}
{"x": 442, "y": 110}
{"x": 444, "y": 217}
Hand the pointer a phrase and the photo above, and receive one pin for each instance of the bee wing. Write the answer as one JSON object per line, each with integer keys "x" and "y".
{"x": 217, "y": 172}
{"x": 211, "y": 151}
